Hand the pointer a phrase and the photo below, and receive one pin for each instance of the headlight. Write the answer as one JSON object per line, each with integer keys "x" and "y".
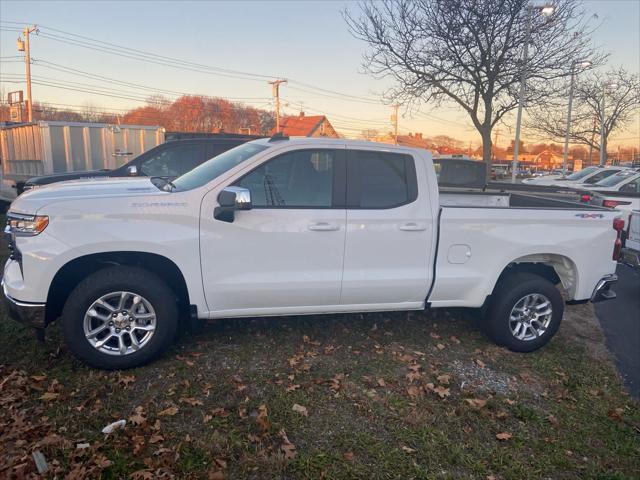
{"x": 26, "y": 224}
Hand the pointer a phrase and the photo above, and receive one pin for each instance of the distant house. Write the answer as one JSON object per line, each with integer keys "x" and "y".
{"x": 306, "y": 126}
{"x": 413, "y": 140}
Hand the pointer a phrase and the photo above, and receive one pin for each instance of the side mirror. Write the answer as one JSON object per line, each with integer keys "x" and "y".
{"x": 230, "y": 200}
{"x": 132, "y": 170}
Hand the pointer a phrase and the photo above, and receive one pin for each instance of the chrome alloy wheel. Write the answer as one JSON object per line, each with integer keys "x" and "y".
{"x": 119, "y": 323}
{"x": 530, "y": 317}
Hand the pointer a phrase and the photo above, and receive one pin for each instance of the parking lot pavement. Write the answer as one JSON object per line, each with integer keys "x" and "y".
{"x": 620, "y": 320}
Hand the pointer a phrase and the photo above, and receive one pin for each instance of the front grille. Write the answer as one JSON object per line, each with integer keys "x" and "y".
{"x": 14, "y": 251}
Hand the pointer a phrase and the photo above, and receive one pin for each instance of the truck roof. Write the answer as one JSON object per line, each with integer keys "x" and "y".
{"x": 277, "y": 139}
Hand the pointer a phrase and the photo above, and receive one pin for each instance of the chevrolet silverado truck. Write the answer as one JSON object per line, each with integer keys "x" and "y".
{"x": 292, "y": 227}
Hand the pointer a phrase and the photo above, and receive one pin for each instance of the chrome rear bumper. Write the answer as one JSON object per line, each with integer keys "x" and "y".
{"x": 603, "y": 288}
{"x": 31, "y": 314}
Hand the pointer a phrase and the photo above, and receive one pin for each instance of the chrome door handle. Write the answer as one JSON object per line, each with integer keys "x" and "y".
{"x": 323, "y": 227}
{"x": 412, "y": 227}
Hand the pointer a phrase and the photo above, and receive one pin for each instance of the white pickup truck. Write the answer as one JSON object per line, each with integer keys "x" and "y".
{"x": 289, "y": 227}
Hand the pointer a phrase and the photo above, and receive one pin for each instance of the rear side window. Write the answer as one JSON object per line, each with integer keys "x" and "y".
{"x": 378, "y": 180}
{"x": 600, "y": 176}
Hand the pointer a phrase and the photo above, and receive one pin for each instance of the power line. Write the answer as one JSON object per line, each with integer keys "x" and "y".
{"x": 123, "y": 51}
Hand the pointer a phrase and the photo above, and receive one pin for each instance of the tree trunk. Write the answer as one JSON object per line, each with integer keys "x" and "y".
{"x": 486, "y": 149}
{"x": 603, "y": 156}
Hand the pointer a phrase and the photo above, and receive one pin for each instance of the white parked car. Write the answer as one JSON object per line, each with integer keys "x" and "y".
{"x": 581, "y": 179}
{"x": 620, "y": 191}
{"x": 292, "y": 227}
{"x": 631, "y": 251}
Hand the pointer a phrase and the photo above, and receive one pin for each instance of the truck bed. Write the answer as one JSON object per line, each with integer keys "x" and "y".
{"x": 480, "y": 199}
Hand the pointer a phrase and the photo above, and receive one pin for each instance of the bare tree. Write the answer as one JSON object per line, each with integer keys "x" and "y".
{"x": 468, "y": 52}
{"x": 621, "y": 103}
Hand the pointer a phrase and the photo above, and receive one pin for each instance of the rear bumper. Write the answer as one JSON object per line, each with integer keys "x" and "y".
{"x": 31, "y": 314}
{"x": 603, "y": 288}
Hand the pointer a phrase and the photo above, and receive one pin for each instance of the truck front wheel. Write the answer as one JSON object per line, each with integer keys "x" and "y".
{"x": 119, "y": 317}
{"x": 524, "y": 312}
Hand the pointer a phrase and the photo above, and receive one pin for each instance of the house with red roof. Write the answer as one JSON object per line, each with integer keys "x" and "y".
{"x": 306, "y": 126}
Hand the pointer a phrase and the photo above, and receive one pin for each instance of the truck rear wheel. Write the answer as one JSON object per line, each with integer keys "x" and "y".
{"x": 119, "y": 317}
{"x": 524, "y": 312}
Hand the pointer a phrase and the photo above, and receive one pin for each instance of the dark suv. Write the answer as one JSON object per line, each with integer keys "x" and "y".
{"x": 170, "y": 160}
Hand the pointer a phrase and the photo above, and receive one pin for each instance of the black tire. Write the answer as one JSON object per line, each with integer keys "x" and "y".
{"x": 509, "y": 291}
{"x": 120, "y": 278}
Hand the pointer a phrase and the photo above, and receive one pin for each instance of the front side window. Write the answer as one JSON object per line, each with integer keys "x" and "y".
{"x": 615, "y": 179}
{"x": 217, "y": 165}
{"x": 380, "y": 180}
{"x": 631, "y": 187}
{"x": 300, "y": 179}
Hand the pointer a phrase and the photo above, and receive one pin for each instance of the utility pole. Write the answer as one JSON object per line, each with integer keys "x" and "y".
{"x": 276, "y": 93}
{"x": 495, "y": 142}
{"x": 27, "y": 60}
{"x": 394, "y": 119}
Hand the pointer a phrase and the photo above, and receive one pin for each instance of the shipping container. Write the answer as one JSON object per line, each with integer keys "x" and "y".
{"x": 43, "y": 148}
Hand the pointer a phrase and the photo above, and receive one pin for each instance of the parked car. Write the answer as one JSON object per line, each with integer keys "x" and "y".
{"x": 168, "y": 160}
{"x": 296, "y": 226}
{"x": 580, "y": 179}
{"x": 620, "y": 191}
{"x": 630, "y": 253}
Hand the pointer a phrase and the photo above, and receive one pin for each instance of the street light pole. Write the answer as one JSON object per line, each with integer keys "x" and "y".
{"x": 574, "y": 64}
{"x": 546, "y": 10}
{"x": 523, "y": 81}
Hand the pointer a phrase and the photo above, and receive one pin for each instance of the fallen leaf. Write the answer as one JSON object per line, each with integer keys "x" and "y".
{"x": 156, "y": 438}
{"x": 411, "y": 376}
{"x": 480, "y": 363}
{"x": 291, "y": 388}
{"x": 348, "y": 456}
{"x": 49, "y": 396}
{"x": 454, "y": 340}
{"x": 413, "y": 391}
{"x": 126, "y": 379}
{"x": 442, "y": 391}
{"x": 408, "y": 450}
{"x": 288, "y": 448}
{"x": 616, "y": 414}
{"x": 216, "y": 475}
{"x": 39, "y": 378}
{"x": 503, "y": 436}
{"x": 171, "y": 411}
{"x": 190, "y": 401}
{"x": 262, "y": 420}
{"x": 300, "y": 409}
{"x": 440, "y": 346}
{"x": 381, "y": 382}
{"x": 444, "y": 379}
{"x": 476, "y": 403}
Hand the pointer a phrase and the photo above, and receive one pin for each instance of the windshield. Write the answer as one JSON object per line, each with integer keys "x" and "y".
{"x": 217, "y": 165}
{"x": 615, "y": 179}
{"x": 582, "y": 173}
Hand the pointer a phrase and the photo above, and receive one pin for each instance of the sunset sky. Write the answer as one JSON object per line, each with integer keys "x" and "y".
{"x": 307, "y": 42}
